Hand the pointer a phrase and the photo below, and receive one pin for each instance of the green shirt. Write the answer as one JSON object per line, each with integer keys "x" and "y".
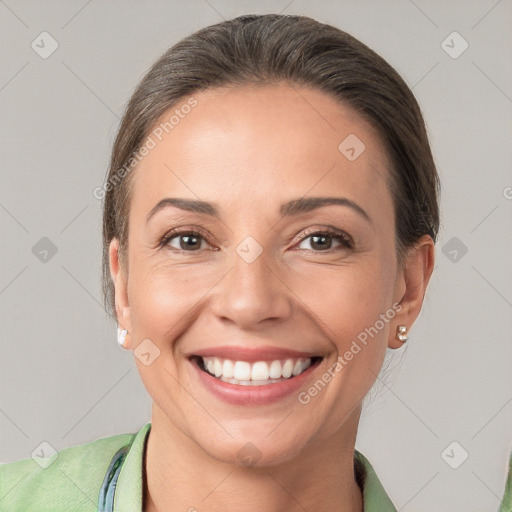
{"x": 82, "y": 478}
{"x": 506, "y": 504}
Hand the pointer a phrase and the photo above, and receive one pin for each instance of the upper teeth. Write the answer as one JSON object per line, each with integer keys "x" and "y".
{"x": 257, "y": 371}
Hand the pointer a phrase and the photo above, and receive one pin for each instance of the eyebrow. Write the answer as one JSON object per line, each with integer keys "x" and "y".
{"x": 293, "y": 207}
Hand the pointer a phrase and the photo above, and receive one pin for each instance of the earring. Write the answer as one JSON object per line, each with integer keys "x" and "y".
{"x": 121, "y": 336}
{"x": 401, "y": 333}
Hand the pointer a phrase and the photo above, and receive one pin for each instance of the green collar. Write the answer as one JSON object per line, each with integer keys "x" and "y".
{"x": 128, "y": 493}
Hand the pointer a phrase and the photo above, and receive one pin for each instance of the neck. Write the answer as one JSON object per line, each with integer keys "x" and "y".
{"x": 181, "y": 476}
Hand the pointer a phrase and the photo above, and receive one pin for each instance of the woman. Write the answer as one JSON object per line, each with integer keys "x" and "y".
{"x": 270, "y": 215}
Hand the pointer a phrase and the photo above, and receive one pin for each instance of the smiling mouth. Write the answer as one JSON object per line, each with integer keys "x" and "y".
{"x": 256, "y": 373}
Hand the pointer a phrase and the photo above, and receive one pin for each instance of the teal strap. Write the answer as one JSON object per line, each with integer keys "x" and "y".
{"x": 106, "y": 496}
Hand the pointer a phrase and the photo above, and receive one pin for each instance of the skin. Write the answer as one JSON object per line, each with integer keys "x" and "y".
{"x": 249, "y": 149}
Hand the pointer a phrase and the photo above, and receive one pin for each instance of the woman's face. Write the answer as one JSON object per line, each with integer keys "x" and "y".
{"x": 253, "y": 279}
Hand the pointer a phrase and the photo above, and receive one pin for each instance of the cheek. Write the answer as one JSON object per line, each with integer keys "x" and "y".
{"x": 346, "y": 300}
{"x": 164, "y": 297}
{"x": 343, "y": 299}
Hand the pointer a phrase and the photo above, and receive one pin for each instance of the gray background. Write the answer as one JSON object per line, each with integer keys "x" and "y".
{"x": 63, "y": 378}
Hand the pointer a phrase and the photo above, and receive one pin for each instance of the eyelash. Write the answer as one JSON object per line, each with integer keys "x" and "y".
{"x": 343, "y": 238}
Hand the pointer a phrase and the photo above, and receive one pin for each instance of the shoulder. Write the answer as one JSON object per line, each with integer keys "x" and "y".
{"x": 506, "y": 503}
{"x": 375, "y": 498}
{"x": 70, "y": 476}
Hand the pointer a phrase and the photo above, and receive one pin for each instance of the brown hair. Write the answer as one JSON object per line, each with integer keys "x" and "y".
{"x": 271, "y": 48}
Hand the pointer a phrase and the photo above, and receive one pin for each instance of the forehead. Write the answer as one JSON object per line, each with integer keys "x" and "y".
{"x": 256, "y": 143}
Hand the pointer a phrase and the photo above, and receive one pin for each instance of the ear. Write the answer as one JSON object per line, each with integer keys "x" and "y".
{"x": 121, "y": 293}
{"x": 412, "y": 285}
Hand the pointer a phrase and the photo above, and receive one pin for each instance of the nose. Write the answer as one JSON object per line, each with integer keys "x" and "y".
{"x": 252, "y": 293}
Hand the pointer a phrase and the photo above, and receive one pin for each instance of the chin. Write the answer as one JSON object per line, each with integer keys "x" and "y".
{"x": 255, "y": 450}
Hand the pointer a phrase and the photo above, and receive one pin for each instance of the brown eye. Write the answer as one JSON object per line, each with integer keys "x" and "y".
{"x": 189, "y": 241}
{"x": 323, "y": 241}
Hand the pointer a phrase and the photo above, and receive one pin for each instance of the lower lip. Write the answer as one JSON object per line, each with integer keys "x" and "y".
{"x": 254, "y": 395}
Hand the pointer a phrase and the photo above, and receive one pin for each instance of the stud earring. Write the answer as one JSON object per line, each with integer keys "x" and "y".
{"x": 121, "y": 336}
{"x": 401, "y": 333}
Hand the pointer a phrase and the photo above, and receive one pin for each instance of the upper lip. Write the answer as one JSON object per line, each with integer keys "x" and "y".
{"x": 252, "y": 354}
